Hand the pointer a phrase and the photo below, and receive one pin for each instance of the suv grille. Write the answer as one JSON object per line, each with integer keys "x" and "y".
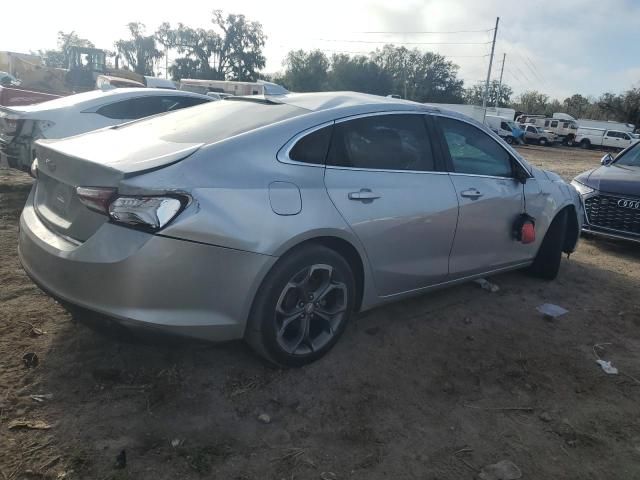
{"x": 604, "y": 211}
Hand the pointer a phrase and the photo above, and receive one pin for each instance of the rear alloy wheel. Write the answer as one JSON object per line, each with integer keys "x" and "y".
{"x": 302, "y": 307}
{"x": 585, "y": 144}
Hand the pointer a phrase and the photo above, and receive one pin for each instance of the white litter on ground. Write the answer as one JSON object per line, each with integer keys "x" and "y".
{"x": 487, "y": 285}
{"x": 607, "y": 367}
{"x": 551, "y": 310}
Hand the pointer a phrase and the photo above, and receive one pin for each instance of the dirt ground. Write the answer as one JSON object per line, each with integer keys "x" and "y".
{"x": 431, "y": 388}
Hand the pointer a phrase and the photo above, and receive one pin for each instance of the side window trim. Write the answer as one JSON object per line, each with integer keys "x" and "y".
{"x": 283, "y": 154}
{"x": 439, "y": 166}
{"x": 439, "y": 160}
{"x": 447, "y": 156}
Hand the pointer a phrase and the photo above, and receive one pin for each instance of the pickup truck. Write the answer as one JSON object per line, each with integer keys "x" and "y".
{"x": 599, "y": 137}
{"x": 534, "y": 134}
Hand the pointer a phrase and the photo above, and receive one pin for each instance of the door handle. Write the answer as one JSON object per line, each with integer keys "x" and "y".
{"x": 364, "y": 195}
{"x": 472, "y": 193}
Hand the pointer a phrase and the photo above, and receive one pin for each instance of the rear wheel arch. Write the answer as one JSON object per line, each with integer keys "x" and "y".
{"x": 346, "y": 250}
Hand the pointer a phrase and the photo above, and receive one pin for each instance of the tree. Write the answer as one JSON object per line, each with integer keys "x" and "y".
{"x": 306, "y": 71}
{"x": 474, "y": 94}
{"x": 532, "y": 102}
{"x": 623, "y": 108}
{"x": 231, "y": 50}
{"x": 60, "y": 58}
{"x": 140, "y": 51}
{"x": 359, "y": 74}
{"x": 420, "y": 76}
{"x": 576, "y": 105}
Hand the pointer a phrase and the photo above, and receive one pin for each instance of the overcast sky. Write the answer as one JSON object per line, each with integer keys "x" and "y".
{"x": 560, "y": 48}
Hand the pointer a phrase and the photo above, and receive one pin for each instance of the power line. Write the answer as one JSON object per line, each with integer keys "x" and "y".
{"x": 427, "y": 32}
{"x": 400, "y": 43}
{"x": 369, "y": 52}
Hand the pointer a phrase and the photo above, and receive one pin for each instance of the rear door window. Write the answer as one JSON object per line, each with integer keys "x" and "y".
{"x": 387, "y": 142}
{"x": 554, "y": 124}
{"x": 474, "y": 152}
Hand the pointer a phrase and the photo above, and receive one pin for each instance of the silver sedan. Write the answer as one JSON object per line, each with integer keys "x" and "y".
{"x": 274, "y": 219}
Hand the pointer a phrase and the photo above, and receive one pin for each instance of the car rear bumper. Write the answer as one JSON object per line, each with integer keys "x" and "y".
{"x": 144, "y": 280}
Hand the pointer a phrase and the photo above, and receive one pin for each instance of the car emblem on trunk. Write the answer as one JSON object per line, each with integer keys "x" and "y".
{"x": 633, "y": 204}
{"x": 51, "y": 165}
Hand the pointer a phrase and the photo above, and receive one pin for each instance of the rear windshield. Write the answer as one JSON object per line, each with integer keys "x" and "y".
{"x": 212, "y": 121}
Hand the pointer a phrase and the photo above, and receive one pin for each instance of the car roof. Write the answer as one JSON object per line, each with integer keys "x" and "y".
{"x": 98, "y": 97}
{"x": 319, "y": 101}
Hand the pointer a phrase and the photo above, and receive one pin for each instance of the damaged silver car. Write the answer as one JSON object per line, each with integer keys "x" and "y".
{"x": 275, "y": 219}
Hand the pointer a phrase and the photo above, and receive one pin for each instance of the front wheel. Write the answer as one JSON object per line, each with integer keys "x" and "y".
{"x": 302, "y": 307}
{"x": 509, "y": 140}
{"x": 584, "y": 144}
{"x": 546, "y": 264}
{"x": 542, "y": 141}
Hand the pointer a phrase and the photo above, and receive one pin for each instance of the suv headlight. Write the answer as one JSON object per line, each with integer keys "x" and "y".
{"x": 581, "y": 188}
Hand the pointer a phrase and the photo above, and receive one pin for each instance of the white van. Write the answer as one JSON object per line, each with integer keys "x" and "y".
{"x": 506, "y": 129}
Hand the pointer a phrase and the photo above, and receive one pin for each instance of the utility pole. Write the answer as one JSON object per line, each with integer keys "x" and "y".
{"x": 486, "y": 86}
{"x": 504, "y": 56}
{"x": 166, "y": 62}
{"x": 404, "y": 76}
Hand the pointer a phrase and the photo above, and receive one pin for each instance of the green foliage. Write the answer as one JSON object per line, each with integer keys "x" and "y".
{"x": 306, "y": 71}
{"x": 532, "y": 102}
{"x": 425, "y": 77}
{"x": 474, "y": 94}
{"x": 359, "y": 73}
{"x": 420, "y": 76}
{"x": 231, "y": 50}
{"x": 60, "y": 58}
{"x": 624, "y": 107}
{"x": 140, "y": 51}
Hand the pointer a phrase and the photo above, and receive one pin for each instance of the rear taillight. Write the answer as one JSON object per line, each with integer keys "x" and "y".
{"x": 97, "y": 199}
{"x": 147, "y": 212}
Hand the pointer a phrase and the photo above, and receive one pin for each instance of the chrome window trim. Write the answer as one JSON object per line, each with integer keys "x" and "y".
{"x": 457, "y": 174}
{"x": 530, "y": 175}
{"x": 428, "y": 172}
{"x": 283, "y": 154}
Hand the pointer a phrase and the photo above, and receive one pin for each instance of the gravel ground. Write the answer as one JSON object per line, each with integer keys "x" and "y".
{"x": 432, "y": 388}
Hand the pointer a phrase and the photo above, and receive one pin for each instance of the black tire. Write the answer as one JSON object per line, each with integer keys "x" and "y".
{"x": 585, "y": 144}
{"x": 547, "y": 261}
{"x": 509, "y": 140}
{"x": 570, "y": 142}
{"x": 543, "y": 141}
{"x": 266, "y": 330}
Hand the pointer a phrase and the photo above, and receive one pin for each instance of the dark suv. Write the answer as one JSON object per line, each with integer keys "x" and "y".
{"x": 611, "y": 195}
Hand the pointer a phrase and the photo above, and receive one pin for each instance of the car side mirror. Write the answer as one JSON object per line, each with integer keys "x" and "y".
{"x": 606, "y": 160}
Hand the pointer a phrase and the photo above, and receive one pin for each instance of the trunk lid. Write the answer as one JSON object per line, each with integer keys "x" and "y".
{"x": 93, "y": 160}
